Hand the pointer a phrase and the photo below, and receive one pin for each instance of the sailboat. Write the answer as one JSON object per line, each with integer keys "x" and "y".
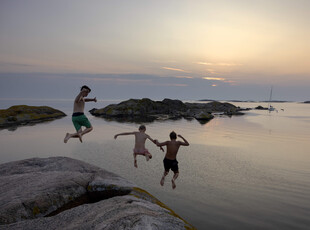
{"x": 270, "y": 107}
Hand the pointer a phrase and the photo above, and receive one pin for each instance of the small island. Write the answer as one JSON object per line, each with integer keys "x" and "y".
{"x": 65, "y": 193}
{"x": 307, "y": 102}
{"x": 148, "y": 110}
{"x": 23, "y": 114}
{"x": 261, "y": 108}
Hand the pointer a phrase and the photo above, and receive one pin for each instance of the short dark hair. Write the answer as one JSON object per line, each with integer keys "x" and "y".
{"x": 142, "y": 127}
{"x": 173, "y": 135}
{"x": 85, "y": 87}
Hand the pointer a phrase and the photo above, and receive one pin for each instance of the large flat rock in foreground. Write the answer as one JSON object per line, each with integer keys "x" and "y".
{"x": 64, "y": 193}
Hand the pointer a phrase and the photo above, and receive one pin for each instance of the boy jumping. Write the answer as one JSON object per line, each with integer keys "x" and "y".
{"x": 170, "y": 161}
{"x": 78, "y": 117}
{"x": 140, "y": 138}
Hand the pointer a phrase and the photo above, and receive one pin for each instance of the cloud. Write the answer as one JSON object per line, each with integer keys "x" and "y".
{"x": 218, "y": 64}
{"x": 119, "y": 80}
{"x": 126, "y": 80}
{"x": 175, "y": 69}
{"x": 187, "y": 77}
{"x": 212, "y": 71}
{"x": 215, "y": 78}
{"x": 204, "y": 63}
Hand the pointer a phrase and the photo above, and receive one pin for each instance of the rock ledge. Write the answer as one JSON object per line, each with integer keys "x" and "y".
{"x": 64, "y": 193}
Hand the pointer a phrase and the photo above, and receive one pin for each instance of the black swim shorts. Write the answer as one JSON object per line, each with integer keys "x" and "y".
{"x": 171, "y": 164}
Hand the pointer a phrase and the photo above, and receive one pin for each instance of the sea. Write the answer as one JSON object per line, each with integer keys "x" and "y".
{"x": 239, "y": 172}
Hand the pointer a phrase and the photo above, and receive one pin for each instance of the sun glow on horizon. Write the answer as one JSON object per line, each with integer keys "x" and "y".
{"x": 241, "y": 40}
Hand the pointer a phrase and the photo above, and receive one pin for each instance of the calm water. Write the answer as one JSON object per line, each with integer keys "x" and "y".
{"x": 244, "y": 172}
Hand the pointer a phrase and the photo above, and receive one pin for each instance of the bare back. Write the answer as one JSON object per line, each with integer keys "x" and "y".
{"x": 140, "y": 138}
{"x": 172, "y": 149}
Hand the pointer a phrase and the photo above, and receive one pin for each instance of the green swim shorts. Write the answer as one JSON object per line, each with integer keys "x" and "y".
{"x": 79, "y": 121}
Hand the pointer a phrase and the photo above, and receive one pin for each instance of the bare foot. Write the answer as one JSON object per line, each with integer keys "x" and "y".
{"x": 135, "y": 164}
{"x": 173, "y": 184}
{"x": 162, "y": 181}
{"x": 80, "y": 137}
{"x": 148, "y": 156}
{"x": 67, "y": 138}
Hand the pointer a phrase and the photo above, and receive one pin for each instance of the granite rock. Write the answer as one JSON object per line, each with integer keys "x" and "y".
{"x": 64, "y": 193}
{"x": 23, "y": 114}
{"x": 149, "y": 110}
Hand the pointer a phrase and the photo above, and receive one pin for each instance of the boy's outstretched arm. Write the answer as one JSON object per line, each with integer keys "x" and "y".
{"x": 185, "y": 143}
{"x": 162, "y": 143}
{"x": 123, "y": 134}
{"x": 155, "y": 142}
{"x": 91, "y": 99}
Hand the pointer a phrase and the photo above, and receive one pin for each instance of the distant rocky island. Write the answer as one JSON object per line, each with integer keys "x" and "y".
{"x": 261, "y": 108}
{"x": 23, "y": 114}
{"x": 149, "y": 110}
{"x": 307, "y": 102}
{"x": 250, "y": 101}
{"x": 65, "y": 193}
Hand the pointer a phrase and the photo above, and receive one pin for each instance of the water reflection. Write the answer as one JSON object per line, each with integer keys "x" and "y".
{"x": 239, "y": 172}
{"x": 148, "y": 120}
{"x": 14, "y": 127}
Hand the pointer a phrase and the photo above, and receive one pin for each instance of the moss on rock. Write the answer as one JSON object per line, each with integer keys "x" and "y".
{"x": 23, "y": 114}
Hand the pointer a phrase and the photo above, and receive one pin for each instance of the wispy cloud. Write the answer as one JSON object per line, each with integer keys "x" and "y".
{"x": 119, "y": 80}
{"x": 175, "y": 69}
{"x": 212, "y": 71}
{"x": 218, "y": 64}
{"x": 215, "y": 78}
{"x": 187, "y": 77}
{"x": 128, "y": 81}
{"x": 204, "y": 63}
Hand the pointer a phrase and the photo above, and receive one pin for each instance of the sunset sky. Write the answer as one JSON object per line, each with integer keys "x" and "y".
{"x": 186, "y": 49}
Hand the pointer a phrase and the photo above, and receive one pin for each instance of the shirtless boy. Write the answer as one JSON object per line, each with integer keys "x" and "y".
{"x": 78, "y": 117}
{"x": 140, "y": 138}
{"x": 170, "y": 161}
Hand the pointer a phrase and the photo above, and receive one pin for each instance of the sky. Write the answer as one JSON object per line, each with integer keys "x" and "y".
{"x": 180, "y": 49}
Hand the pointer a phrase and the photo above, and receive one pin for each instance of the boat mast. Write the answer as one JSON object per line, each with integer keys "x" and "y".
{"x": 269, "y": 104}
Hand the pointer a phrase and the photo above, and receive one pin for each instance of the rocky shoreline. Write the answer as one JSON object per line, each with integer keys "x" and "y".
{"x": 65, "y": 193}
{"x": 22, "y": 115}
{"x": 149, "y": 110}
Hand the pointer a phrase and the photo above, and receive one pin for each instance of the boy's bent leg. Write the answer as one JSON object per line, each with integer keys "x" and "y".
{"x": 80, "y": 133}
{"x": 85, "y": 122}
{"x": 135, "y": 160}
{"x": 162, "y": 181}
{"x": 67, "y": 137}
{"x": 147, "y": 155}
{"x": 175, "y": 176}
{"x": 73, "y": 135}
{"x": 87, "y": 130}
